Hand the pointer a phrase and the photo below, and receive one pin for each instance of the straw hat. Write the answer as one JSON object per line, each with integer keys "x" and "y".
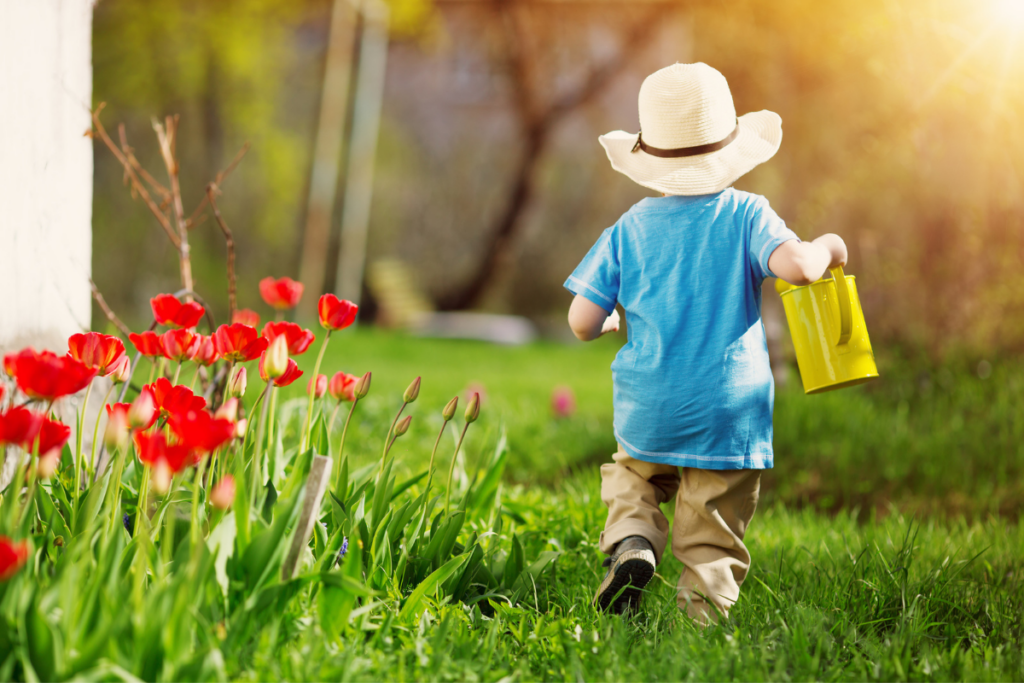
{"x": 691, "y": 142}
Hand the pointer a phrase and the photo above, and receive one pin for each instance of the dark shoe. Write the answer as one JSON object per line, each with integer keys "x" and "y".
{"x": 630, "y": 569}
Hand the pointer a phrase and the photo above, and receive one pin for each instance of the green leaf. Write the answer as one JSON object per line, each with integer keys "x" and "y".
{"x": 380, "y": 495}
{"x": 321, "y": 438}
{"x": 532, "y": 573}
{"x": 514, "y": 564}
{"x": 484, "y": 494}
{"x": 411, "y": 607}
{"x": 406, "y": 485}
{"x": 222, "y": 543}
{"x": 89, "y": 508}
{"x": 450, "y": 535}
{"x": 263, "y": 556}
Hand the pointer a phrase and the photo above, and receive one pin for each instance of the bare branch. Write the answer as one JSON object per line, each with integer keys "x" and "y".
{"x": 114, "y": 320}
{"x": 194, "y": 220}
{"x": 167, "y": 135}
{"x": 129, "y": 154}
{"x": 136, "y": 184}
{"x": 211, "y": 190}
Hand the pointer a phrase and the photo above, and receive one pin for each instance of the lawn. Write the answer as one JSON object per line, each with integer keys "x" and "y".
{"x": 887, "y": 545}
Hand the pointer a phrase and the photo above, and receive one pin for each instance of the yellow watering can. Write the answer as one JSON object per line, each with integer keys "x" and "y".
{"x": 827, "y": 325}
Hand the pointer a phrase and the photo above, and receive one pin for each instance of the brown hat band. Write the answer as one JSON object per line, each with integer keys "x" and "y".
{"x": 685, "y": 151}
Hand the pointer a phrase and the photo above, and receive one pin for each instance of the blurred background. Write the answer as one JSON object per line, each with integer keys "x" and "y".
{"x": 904, "y": 133}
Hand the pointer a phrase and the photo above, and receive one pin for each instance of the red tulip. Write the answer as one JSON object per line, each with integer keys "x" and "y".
{"x": 3, "y": 391}
{"x": 167, "y": 310}
{"x": 298, "y": 338}
{"x": 281, "y": 294}
{"x": 172, "y": 399}
{"x": 289, "y": 376}
{"x": 200, "y": 431}
{"x": 181, "y": 345}
{"x": 45, "y": 375}
{"x": 320, "y": 388}
{"x": 335, "y": 313}
{"x": 207, "y": 353}
{"x": 148, "y": 343}
{"x": 19, "y": 426}
{"x": 246, "y": 316}
{"x": 116, "y": 434}
{"x": 238, "y": 342}
{"x": 228, "y": 410}
{"x": 166, "y": 459}
{"x": 99, "y": 352}
{"x": 13, "y": 554}
{"x": 52, "y": 437}
{"x": 342, "y": 387}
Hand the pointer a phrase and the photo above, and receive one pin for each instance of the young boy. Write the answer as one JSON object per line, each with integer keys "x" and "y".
{"x": 692, "y": 387}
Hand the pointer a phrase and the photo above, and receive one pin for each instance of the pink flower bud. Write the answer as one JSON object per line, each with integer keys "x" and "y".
{"x": 563, "y": 402}
{"x": 449, "y": 410}
{"x": 48, "y": 464}
{"x": 240, "y": 428}
{"x": 161, "y": 476}
{"x": 275, "y": 358}
{"x": 317, "y": 386}
{"x": 363, "y": 385}
{"x": 143, "y": 409}
{"x": 403, "y": 426}
{"x": 473, "y": 409}
{"x": 121, "y": 370}
{"x": 412, "y": 392}
{"x": 228, "y": 411}
{"x": 236, "y": 386}
{"x": 116, "y": 435}
{"x": 223, "y": 494}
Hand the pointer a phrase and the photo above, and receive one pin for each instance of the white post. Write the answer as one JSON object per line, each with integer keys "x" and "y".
{"x": 373, "y": 55}
{"x": 45, "y": 172}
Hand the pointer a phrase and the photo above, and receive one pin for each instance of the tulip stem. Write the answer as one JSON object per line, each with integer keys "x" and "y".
{"x": 430, "y": 478}
{"x": 387, "y": 441}
{"x": 167, "y": 545}
{"x": 312, "y": 393}
{"x": 115, "y": 481}
{"x": 257, "y": 453}
{"x": 271, "y": 428}
{"x": 177, "y": 373}
{"x": 341, "y": 446}
{"x": 78, "y": 443}
{"x": 90, "y": 471}
{"x": 33, "y": 482}
{"x": 196, "y": 485}
{"x": 451, "y": 469}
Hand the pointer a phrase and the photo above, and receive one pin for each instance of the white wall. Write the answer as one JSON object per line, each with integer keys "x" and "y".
{"x": 45, "y": 171}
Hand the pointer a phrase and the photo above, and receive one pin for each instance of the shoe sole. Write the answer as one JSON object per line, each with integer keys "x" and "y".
{"x": 622, "y": 589}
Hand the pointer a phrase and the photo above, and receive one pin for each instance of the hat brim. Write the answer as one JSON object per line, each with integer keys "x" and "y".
{"x": 759, "y": 138}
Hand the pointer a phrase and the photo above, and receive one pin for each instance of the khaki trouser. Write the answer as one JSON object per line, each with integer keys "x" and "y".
{"x": 713, "y": 509}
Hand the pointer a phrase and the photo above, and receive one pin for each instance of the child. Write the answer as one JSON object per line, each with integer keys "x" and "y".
{"x": 692, "y": 388}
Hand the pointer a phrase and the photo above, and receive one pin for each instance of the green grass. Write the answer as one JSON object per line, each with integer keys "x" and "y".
{"x": 932, "y": 440}
{"x": 827, "y": 598}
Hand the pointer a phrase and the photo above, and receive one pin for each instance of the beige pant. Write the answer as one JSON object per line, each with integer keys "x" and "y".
{"x": 713, "y": 509}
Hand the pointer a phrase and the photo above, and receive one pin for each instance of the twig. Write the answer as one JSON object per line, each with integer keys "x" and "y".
{"x": 137, "y": 185}
{"x": 211, "y": 190}
{"x": 129, "y": 154}
{"x": 194, "y": 220}
{"x": 167, "y": 135}
{"x": 114, "y": 320}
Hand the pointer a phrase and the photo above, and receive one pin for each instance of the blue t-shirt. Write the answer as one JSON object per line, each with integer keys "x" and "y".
{"x": 693, "y": 386}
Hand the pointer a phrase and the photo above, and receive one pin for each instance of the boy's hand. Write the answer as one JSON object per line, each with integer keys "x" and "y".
{"x": 801, "y": 263}
{"x": 836, "y": 248}
{"x": 611, "y": 323}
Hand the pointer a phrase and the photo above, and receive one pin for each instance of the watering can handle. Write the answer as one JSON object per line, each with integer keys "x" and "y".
{"x": 845, "y": 305}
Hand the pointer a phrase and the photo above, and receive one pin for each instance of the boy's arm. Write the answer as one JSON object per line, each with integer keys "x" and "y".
{"x": 801, "y": 263}
{"x": 589, "y": 321}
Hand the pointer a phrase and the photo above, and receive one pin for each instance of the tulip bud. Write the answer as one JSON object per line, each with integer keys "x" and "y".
{"x": 473, "y": 409}
{"x": 228, "y": 411}
{"x": 240, "y": 428}
{"x": 48, "y": 464}
{"x": 161, "y": 477}
{"x": 403, "y": 426}
{"x": 363, "y": 385}
{"x": 236, "y": 385}
{"x": 142, "y": 410}
{"x": 412, "y": 392}
{"x": 317, "y": 386}
{"x": 116, "y": 435}
{"x": 223, "y": 494}
{"x": 449, "y": 410}
{"x": 121, "y": 370}
{"x": 275, "y": 362}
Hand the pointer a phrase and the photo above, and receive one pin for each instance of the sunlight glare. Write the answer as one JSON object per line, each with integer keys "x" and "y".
{"x": 1009, "y": 12}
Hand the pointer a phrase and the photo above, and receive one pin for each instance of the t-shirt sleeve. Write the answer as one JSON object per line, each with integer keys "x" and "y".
{"x": 767, "y": 232}
{"x": 597, "y": 276}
